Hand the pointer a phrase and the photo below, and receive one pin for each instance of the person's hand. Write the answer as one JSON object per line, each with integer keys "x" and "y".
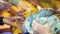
{"x": 20, "y": 20}
{"x": 41, "y": 29}
{"x": 15, "y": 19}
{"x": 10, "y": 20}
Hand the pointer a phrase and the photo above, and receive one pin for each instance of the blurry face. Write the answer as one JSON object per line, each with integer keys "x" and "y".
{"x": 33, "y": 2}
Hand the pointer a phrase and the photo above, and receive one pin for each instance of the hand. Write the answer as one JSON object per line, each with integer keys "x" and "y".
{"x": 10, "y": 20}
{"x": 41, "y": 29}
{"x": 20, "y": 20}
{"x": 16, "y": 18}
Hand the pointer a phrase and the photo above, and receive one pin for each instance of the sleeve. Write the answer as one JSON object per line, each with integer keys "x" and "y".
{"x": 1, "y": 21}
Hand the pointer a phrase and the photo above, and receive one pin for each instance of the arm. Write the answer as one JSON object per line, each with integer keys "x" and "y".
{"x": 9, "y": 22}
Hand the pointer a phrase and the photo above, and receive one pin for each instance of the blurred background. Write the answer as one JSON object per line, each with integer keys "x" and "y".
{"x": 55, "y": 4}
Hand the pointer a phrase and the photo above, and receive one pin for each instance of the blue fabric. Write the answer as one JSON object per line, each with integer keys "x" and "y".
{"x": 43, "y": 13}
{"x": 41, "y": 17}
{"x": 24, "y": 30}
{"x": 6, "y": 33}
{"x": 29, "y": 20}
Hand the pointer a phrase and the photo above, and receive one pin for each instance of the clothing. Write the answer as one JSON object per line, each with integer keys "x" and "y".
{"x": 24, "y": 31}
{"x": 41, "y": 17}
{"x": 1, "y": 21}
{"x": 6, "y": 33}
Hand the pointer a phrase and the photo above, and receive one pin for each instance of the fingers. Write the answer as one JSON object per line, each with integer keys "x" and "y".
{"x": 8, "y": 22}
{"x": 20, "y": 20}
{"x": 17, "y": 19}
